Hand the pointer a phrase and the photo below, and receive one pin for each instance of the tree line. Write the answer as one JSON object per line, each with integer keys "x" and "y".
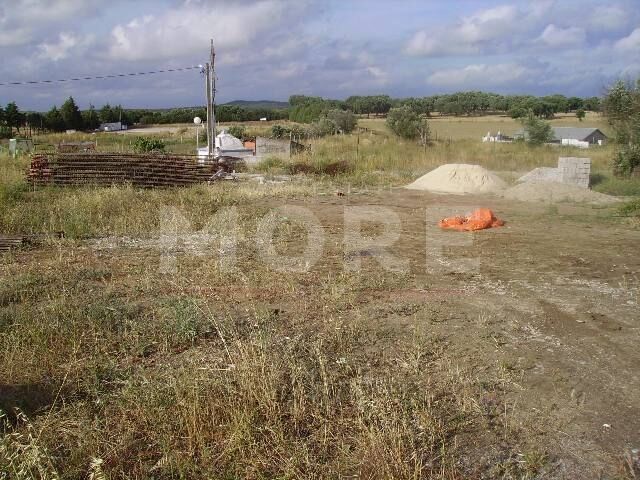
{"x": 302, "y": 109}
{"x": 69, "y": 117}
{"x": 306, "y": 109}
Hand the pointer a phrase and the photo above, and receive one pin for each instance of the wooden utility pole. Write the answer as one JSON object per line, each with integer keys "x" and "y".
{"x": 211, "y": 98}
{"x": 210, "y": 140}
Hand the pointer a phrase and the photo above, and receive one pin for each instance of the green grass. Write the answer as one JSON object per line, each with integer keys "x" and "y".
{"x": 631, "y": 208}
{"x": 611, "y": 185}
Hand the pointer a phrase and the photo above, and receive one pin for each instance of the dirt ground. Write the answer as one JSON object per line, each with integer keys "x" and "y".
{"x": 552, "y": 297}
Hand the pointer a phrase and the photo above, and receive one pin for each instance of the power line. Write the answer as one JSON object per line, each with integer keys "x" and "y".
{"x": 100, "y": 77}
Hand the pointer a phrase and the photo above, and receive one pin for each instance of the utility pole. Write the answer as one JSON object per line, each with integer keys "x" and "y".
{"x": 210, "y": 140}
{"x": 211, "y": 98}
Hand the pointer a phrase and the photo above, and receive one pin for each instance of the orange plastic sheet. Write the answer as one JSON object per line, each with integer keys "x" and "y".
{"x": 479, "y": 220}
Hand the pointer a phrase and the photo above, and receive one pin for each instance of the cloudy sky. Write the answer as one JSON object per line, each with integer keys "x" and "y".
{"x": 270, "y": 49}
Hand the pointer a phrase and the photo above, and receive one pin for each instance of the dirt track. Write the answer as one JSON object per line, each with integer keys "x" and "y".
{"x": 552, "y": 297}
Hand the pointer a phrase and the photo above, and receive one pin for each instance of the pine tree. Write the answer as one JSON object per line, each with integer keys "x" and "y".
{"x": 71, "y": 115}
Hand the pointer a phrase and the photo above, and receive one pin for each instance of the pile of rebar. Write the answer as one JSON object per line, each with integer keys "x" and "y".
{"x": 106, "y": 169}
{"x": 8, "y": 242}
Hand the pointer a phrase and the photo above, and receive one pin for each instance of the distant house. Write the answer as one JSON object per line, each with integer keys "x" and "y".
{"x": 112, "y": 127}
{"x": 574, "y": 136}
{"x": 592, "y": 136}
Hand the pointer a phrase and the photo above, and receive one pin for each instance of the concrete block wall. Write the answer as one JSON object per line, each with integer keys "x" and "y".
{"x": 575, "y": 171}
{"x": 266, "y": 147}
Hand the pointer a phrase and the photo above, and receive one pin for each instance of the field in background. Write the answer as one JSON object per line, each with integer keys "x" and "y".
{"x": 458, "y": 128}
{"x": 375, "y": 156}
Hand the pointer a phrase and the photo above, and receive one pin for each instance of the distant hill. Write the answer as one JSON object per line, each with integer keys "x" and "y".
{"x": 269, "y": 104}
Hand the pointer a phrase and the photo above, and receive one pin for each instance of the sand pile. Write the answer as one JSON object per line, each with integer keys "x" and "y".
{"x": 459, "y": 178}
{"x": 553, "y": 192}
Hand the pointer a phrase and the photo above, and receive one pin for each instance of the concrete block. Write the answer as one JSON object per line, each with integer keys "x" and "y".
{"x": 575, "y": 171}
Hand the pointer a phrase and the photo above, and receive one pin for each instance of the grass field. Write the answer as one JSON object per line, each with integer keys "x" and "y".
{"x": 113, "y": 367}
{"x": 459, "y": 128}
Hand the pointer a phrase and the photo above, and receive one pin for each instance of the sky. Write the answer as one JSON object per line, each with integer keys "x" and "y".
{"x": 271, "y": 49}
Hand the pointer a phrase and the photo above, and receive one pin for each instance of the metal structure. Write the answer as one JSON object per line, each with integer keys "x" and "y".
{"x": 9, "y": 242}
{"x": 106, "y": 169}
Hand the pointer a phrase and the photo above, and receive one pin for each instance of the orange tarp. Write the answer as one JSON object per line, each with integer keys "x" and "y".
{"x": 479, "y": 220}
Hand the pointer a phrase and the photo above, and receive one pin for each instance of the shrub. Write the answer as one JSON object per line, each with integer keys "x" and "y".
{"x": 146, "y": 145}
{"x": 344, "y": 120}
{"x": 238, "y": 131}
{"x": 622, "y": 108}
{"x": 284, "y": 131}
{"x": 405, "y": 123}
{"x": 322, "y": 127}
{"x": 537, "y": 131}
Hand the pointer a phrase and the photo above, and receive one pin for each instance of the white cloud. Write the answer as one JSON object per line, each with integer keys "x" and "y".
{"x": 59, "y": 50}
{"x": 25, "y": 20}
{"x": 479, "y": 75}
{"x": 630, "y": 43}
{"x": 609, "y": 18}
{"x": 488, "y": 24}
{"x": 554, "y": 36}
{"x": 290, "y": 70}
{"x": 430, "y": 45}
{"x": 187, "y": 29}
{"x": 468, "y": 36}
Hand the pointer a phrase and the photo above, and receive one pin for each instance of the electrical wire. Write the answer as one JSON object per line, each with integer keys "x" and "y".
{"x": 100, "y": 77}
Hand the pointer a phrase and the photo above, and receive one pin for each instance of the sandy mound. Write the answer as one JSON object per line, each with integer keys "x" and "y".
{"x": 459, "y": 178}
{"x": 552, "y": 192}
{"x": 542, "y": 174}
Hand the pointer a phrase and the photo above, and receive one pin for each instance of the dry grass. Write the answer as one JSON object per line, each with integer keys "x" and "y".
{"x": 161, "y": 378}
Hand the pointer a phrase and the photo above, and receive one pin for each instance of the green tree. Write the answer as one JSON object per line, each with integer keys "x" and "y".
{"x": 53, "y": 120}
{"x": 344, "y": 120}
{"x": 537, "y": 131}
{"x": 405, "y": 123}
{"x": 35, "y": 120}
{"x": 592, "y": 104}
{"x": 71, "y": 115}
{"x": 575, "y": 103}
{"x": 13, "y": 117}
{"x": 580, "y": 114}
{"x": 107, "y": 114}
{"x": 5, "y": 131}
{"x": 90, "y": 118}
{"x": 622, "y": 108}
